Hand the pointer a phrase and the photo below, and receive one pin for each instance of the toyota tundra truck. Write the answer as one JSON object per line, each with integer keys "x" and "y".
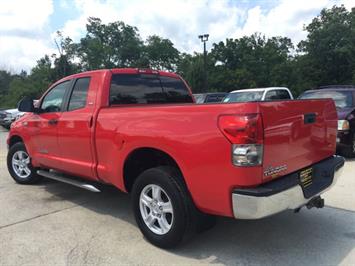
{"x": 140, "y": 131}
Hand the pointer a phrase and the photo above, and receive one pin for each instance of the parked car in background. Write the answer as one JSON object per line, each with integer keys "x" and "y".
{"x": 344, "y": 98}
{"x": 214, "y": 97}
{"x": 258, "y": 94}
{"x": 8, "y": 116}
{"x": 2, "y": 115}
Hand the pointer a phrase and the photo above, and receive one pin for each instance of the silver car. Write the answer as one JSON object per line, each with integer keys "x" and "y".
{"x": 8, "y": 116}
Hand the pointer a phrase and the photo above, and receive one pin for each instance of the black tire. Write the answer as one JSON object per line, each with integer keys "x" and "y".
{"x": 32, "y": 178}
{"x": 349, "y": 152}
{"x": 186, "y": 216}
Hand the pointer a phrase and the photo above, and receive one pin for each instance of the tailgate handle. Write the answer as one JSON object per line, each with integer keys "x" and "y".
{"x": 309, "y": 118}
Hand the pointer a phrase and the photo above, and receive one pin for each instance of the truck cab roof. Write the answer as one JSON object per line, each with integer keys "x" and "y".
{"x": 125, "y": 71}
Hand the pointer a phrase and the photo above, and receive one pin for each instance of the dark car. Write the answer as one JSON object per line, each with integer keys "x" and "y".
{"x": 3, "y": 115}
{"x": 213, "y": 97}
{"x": 344, "y": 98}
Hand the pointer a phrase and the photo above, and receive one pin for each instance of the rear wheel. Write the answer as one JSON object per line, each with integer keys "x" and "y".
{"x": 19, "y": 165}
{"x": 156, "y": 209}
{"x": 163, "y": 208}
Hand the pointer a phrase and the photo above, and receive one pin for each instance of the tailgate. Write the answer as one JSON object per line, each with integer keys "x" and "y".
{"x": 297, "y": 134}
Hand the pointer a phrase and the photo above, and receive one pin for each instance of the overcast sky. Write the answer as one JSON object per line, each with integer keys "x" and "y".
{"x": 27, "y": 27}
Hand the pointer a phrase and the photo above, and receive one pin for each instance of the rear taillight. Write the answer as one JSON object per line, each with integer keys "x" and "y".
{"x": 242, "y": 129}
{"x": 245, "y": 132}
{"x": 247, "y": 154}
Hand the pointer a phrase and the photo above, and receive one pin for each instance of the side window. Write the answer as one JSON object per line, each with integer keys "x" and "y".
{"x": 214, "y": 98}
{"x": 52, "y": 102}
{"x": 271, "y": 95}
{"x": 283, "y": 95}
{"x": 79, "y": 94}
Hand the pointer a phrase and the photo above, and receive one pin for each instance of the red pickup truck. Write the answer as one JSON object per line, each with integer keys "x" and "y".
{"x": 141, "y": 131}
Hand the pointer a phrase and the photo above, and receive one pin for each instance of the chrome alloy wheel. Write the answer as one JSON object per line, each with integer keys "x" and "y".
{"x": 20, "y": 164}
{"x": 156, "y": 209}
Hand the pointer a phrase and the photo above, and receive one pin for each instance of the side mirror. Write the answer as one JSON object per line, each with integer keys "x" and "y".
{"x": 26, "y": 105}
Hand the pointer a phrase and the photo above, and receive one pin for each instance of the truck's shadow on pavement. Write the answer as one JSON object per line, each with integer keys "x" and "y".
{"x": 323, "y": 236}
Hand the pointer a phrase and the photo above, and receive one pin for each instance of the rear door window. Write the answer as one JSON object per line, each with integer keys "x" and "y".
{"x": 271, "y": 95}
{"x": 147, "y": 89}
{"x": 275, "y": 95}
{"x": 214, "y": 98}
{"x": 283, "y": 95}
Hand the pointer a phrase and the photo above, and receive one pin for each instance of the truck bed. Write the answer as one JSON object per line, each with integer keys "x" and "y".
{"x": 189, "y": 133}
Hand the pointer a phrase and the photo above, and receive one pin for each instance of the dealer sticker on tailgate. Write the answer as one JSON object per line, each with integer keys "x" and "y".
{"x": 306, "y": 177}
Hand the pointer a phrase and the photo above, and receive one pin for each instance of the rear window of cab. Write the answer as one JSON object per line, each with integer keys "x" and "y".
{"x": 147, "y": 89}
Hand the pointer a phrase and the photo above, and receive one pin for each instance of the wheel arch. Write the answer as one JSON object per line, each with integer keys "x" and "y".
{"x": 141, "y": 159}
{"x": 15, "y": 139}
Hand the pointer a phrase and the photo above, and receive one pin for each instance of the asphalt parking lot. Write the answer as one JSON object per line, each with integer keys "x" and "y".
{"x": 56, "y": 224}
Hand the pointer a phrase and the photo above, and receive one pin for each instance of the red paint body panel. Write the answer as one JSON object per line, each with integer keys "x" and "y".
{"x": 189, "y": 134}
{"x": 289, "y": 141}
{"x": 76, "y": 132}
{"x": 44, "y": 136}
{"x": 94, "y": 142}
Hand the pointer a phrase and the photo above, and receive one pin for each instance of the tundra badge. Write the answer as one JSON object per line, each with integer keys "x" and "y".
{"x": 275, "y": 171}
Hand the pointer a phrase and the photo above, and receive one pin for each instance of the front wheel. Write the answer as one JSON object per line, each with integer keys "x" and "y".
{"x": 19, "y": 165}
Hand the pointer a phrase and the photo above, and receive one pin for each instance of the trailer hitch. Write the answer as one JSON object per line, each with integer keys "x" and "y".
{"x": 316, "y": 202}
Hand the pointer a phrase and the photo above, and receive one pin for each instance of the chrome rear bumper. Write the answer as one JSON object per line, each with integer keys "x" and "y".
{"x": 256, "y": 207}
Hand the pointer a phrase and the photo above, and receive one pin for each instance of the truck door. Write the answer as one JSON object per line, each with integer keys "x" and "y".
{"x": 44, "y": 126}
{"x": 75, "y": 129}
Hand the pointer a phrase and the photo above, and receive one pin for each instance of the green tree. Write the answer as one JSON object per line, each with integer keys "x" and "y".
{"x": 161, "y": 53}
{"x": 329, "y": 49}
{"x": 107, "y": 46}
{"x": 251, "y": 61}
{"x": 64, "y": 62}
{"x": 32, "y": 85}
{"x": 5, "y": 79}
{"x": 191, "y": 68}
{"x": 327, "y": 56}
